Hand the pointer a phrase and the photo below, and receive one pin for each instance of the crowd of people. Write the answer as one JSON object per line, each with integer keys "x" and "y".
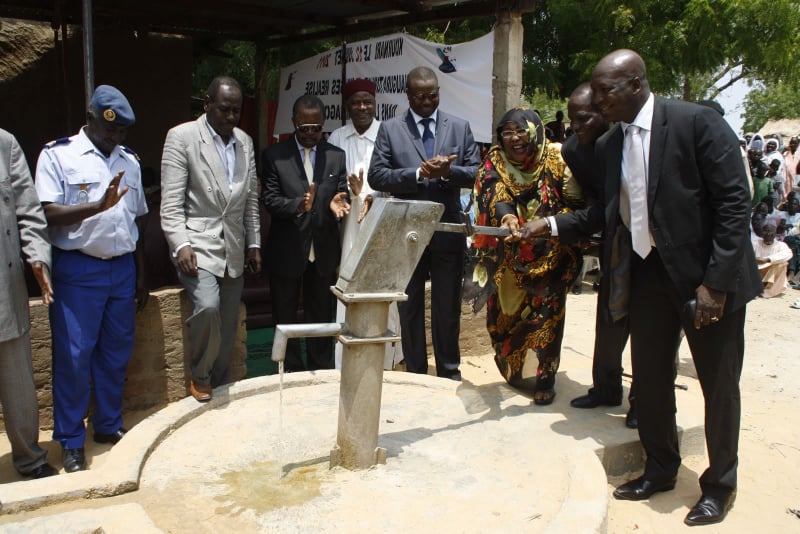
{"x": 775, "y": 220}
{"x": 663, "y": 182}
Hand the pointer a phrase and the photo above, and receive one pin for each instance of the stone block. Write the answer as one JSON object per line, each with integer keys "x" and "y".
{"x": 158, "y": 371}
{"x": 473, "y": 339}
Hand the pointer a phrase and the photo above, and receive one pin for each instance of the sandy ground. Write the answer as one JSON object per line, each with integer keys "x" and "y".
{"x": 769, "y": 486}
{"x": 769, "y": 448}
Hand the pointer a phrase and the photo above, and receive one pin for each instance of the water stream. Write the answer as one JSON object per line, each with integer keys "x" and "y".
{"x": 280, "y": 420}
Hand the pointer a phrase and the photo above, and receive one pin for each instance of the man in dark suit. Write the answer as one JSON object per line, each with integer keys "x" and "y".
{"x": 426, "y": 154}
{"x": 610, "y": 336}
{"x": 677, "y": 206}
{"x": 304, "y": 190}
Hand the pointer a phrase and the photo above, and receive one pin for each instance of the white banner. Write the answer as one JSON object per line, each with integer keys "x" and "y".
{"x": 464, "y": 71}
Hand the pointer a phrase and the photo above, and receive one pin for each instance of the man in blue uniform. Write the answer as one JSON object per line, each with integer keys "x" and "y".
{"x": 91, "y": 190}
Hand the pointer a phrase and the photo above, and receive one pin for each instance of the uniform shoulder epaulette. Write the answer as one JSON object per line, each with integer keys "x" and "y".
{"x": 59, "y": 141}
{"x": 130, "y": 151}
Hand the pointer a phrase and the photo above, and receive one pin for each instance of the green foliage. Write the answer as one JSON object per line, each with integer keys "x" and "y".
{"x": 775, "y": 101}
{"x": 233, "y": 58}
{"x": 689, "y": 45}
{"x": 546, "y": 105}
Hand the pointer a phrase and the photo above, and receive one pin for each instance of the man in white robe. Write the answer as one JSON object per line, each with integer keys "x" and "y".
{"x": 773, "y": 257}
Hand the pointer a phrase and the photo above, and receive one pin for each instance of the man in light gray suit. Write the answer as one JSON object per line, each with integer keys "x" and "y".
{"x": 209, "y": 214}
{"x": 24, "y": 231}
{"x": 426, "y": 154}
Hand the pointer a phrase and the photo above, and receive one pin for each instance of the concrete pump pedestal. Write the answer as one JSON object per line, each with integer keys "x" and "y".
{"x": 460, "y": 459}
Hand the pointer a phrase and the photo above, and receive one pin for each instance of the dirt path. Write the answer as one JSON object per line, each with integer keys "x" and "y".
{"x": 769, "y": 452}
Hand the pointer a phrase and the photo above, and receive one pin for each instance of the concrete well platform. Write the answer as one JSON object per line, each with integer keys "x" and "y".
{"x": 461, "y": 458}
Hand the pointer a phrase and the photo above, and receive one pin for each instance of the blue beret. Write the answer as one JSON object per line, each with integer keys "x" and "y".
{"x": 111, "y": 106}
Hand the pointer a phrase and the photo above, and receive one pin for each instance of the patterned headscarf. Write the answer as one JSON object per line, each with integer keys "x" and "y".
{"x": 525, "y": 118}
{"x": 529, "y": 120}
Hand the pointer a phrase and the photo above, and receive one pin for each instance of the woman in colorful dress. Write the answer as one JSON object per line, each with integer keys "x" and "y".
{"x": 523, "y": 285}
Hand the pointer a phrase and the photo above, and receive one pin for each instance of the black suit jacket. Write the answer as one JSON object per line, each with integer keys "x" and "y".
{"x": 290, "y": 233}
{"x": 398, "y": 154}
{"x": 582, "y": 163}
{"x": 698, "y": 200}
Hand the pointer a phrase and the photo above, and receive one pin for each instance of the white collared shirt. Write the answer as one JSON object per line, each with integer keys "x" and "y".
{"x": 644, "y": 120}
{"x": 421, "y": 127}
{"x": 75, "y": 171}
{"x": 312, "y": 155}
{"x": 357, "y": 148}
{"x": 227, "y": 153}
{"x": 418, "y": 119}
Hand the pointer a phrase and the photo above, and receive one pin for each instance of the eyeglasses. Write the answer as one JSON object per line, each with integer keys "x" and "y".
{"x": 433, "y": 95}
{"x": 309, "y": 128}
{"x": 510, "y": 134}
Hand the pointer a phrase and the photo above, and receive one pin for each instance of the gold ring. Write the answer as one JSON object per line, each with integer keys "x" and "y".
{"x": 714, "y": 319}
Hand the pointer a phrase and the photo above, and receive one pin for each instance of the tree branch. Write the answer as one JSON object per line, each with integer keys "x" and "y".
{"x": 725, "y": 70}
{"x": 717, "y": 90}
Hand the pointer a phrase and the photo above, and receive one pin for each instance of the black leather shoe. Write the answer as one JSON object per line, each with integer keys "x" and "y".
{"x": 74, "y": 460}
{"x": 43, "y": 471}
{"x": 709, "y": 510}
{"x": 642, "y": 488}
{"x": 593, "y": 400}
{"x": 632, "y": 418}
{"x": 110, "y": 438}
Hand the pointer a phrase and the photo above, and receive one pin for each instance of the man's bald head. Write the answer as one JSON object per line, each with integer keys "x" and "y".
{"x": 620, "y": 86}
{"x": 585, "y": 119}
{"x": 582, "y": 95}
{"x": 623, "y": 61}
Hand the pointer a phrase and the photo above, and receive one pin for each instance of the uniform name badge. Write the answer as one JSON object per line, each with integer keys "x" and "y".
{"x": 83, "y": 194}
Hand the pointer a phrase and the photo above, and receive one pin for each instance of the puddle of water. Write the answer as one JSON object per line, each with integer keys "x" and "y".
{"x": 256, "y": 488}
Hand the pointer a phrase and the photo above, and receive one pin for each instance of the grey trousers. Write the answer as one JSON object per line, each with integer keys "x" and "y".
{"x": 212, "y": 325}
{"x": 20, "y": 406}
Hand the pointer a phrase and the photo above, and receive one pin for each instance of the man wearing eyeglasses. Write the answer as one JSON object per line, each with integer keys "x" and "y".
{"x": 305, "y": 192}
{"x": 426, "y": 154}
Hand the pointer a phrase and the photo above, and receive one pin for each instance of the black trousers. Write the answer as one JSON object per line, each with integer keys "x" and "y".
{"x": 609, "y": 342}
{"x": 318, "y": 307}
{"x": 717, "y": 350}
{"x": 445, "y": 269}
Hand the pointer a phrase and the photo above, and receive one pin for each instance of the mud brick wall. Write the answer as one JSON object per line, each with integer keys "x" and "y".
{"x": 158, "y": 371}
{"x": 473, "y": 339}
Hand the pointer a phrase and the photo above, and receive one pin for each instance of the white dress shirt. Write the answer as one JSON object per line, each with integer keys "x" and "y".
{"x": 74, "y": 171}
{"x": 227, "y": 153}
{"x": 421, "y": 127}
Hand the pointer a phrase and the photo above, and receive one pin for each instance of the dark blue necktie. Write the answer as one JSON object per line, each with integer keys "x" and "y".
{"x": 427, "y": 137}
